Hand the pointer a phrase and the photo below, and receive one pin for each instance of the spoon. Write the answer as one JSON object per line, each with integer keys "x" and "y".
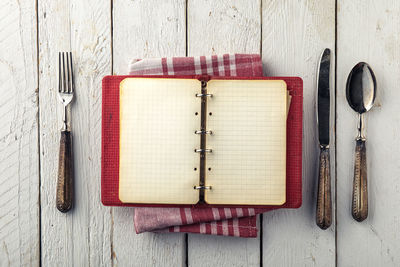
{"x": 360, "y": 94}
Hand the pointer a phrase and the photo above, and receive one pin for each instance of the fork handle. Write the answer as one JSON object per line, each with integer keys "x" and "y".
{"x": 65, "y": 173}
{"x": 324, "y": 200}
{"x": 360, "y": 189}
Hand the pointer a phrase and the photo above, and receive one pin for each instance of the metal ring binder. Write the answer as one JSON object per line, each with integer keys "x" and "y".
{"x": 203, "y": 132}
{"x": 199, "y": 150}
{"x": 202, "y": 187}
{"x": 200, "y": 95}
{"x": 203, "y": 140}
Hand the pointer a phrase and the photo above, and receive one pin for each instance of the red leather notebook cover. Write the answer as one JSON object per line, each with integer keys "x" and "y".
{"x": 110, "y": 140}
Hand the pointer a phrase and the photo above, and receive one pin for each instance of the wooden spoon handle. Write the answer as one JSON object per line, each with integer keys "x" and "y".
{"x": 324, "y": 200}
{"x": 65, "y": 173}
{"x": 359, "y": 208}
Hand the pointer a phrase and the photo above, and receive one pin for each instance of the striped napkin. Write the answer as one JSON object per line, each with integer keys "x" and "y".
{"x": 239, "y": 222}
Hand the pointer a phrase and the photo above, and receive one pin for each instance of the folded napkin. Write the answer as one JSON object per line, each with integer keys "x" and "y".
{"x": 240, "y": 222}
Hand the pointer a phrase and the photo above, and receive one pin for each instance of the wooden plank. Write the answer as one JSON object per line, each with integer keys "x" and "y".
{"x": 370, "y": 31}
{"x": 146, "y": 29}
{"x": 80, "y": 237}
{"x": 218, "y": 27}
{"x": 294, "y": 36}
{"x": 19, "y": 150}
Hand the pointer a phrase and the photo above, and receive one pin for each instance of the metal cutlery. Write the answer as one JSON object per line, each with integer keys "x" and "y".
{"x": 65, "y": 168}
{"x": 324, "y": 200}
{"x": 360, "y": 93}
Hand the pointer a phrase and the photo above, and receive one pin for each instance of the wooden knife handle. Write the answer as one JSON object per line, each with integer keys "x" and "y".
{"x": 324, "y": 200}
{"x": 359, "y": 208}
{"x": 65, "y": 173}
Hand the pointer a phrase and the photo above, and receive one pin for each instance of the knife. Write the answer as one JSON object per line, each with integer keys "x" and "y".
{"x": 324, "y": 200}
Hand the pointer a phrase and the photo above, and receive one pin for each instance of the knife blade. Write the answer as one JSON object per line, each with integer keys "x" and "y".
{"x": 324, "y": 201}
{"x": 323, "y": 100}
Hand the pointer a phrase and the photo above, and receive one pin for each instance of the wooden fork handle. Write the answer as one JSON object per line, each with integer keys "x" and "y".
{"x": 359, "y": 208}
{"x": 324, "y": 200}
{"x": 65, "y": 173}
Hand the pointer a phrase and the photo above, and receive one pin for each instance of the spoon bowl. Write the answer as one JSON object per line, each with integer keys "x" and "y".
{"x": 361, "y": 88}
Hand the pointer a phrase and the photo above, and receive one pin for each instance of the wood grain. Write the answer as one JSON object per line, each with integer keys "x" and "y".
{"x": 294, "y": 35}
{"x": 369, "y": 31}
{"x": 144, "y": 29}
{"x": 218, "y": 27}
{"x": 290, "y": 35}
{"x": 81, "y": 237}
{"x": 19, "y": 152}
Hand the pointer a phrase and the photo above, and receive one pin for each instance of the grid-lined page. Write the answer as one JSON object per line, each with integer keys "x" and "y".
{"x": 158, "y": 118}
{"x": 248, "y": 160}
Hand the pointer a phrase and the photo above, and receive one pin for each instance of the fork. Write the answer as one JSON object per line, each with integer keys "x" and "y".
{"x": 65, "y": 167}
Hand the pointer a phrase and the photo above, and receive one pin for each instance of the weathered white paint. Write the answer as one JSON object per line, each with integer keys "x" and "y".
{"x": 294, "y": 35}
{"x": 370, "y": 31}
{"x": 81, "y": 237}
{"x": 19, "y": 151}
{"x": 218, "y": 27}
{"x": 146, "y": 29}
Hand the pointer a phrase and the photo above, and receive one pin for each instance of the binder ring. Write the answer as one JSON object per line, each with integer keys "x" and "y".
{"x": 200, "y": 187}
{"x": 199, "y": 150}
{"x": 200, "y": 95}
{"x": 203, "y": 132}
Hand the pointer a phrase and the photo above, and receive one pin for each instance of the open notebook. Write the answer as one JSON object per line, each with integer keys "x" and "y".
{"x": 185, "y": 141}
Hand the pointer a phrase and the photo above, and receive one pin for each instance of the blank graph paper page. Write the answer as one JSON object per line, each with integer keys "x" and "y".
{"x": 248, "y": 161}
{"x": 158, "y": 118}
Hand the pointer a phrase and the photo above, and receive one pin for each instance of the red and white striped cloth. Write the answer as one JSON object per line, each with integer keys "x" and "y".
{"x": 240, "y": 222}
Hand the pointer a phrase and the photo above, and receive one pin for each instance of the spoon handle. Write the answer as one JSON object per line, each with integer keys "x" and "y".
{"x": 360, "y": 190}
{"x": 324, "y": 200}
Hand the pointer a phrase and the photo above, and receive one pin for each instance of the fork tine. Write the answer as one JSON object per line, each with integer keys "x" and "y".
{"x": 59, "y": 72}
{"x": 65, "y": 73}
{"x": 64, "y": 87}
{"x": 71, "y": 72}
{"x": 68, "y": 88}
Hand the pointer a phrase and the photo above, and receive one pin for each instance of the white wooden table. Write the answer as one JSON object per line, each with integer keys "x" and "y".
{"x": 103, "y": 36}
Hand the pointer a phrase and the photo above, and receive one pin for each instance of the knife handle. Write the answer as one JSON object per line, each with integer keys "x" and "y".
{"x": 359, "y": 208}
{"x": 65, "y": 173}
{"x": 324, "y": 200}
